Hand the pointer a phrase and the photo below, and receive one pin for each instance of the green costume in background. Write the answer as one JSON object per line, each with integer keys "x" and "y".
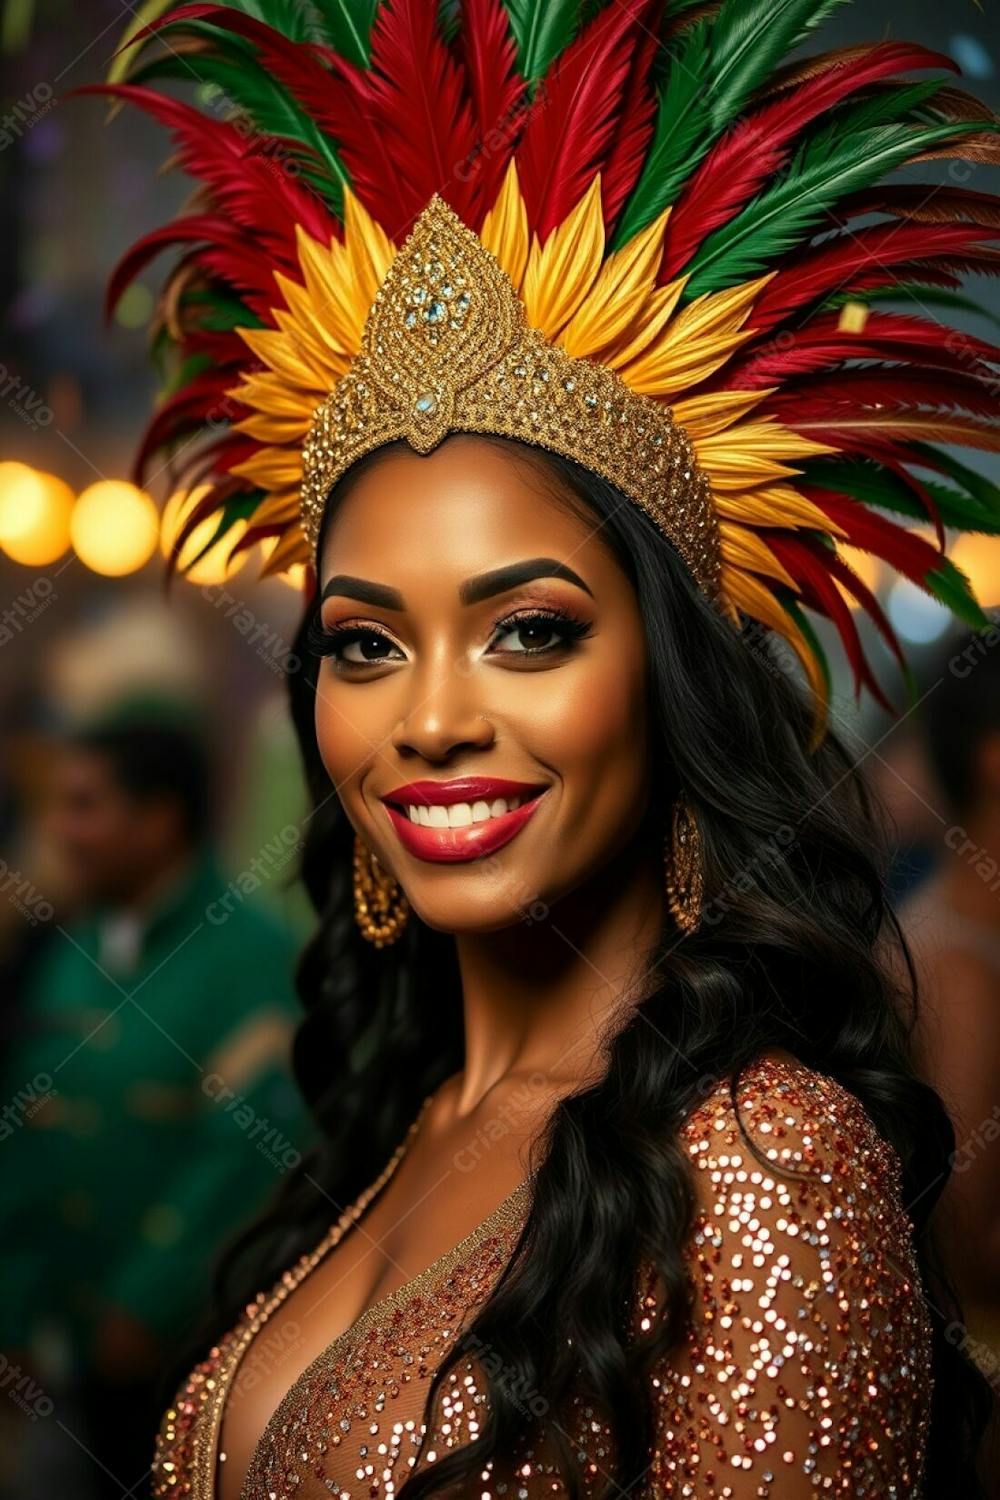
{"x": 151, "y": 1097}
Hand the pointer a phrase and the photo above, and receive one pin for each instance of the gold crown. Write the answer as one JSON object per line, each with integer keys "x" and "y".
{"x": 447, "y": 348}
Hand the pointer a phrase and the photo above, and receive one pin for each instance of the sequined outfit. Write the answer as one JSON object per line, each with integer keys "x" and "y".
{"x": 806, "y": 1369}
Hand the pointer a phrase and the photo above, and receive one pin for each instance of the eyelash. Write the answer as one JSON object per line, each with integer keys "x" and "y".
{"x": 328, "y": 640}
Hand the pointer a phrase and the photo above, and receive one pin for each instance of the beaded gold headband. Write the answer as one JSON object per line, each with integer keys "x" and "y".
{"x": 447, "y": 348}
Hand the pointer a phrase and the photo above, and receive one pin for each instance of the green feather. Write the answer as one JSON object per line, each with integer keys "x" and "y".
{"x": 186, "y": 371}
{"x": 715, "y": 66}
{"x": 295, "y": 19}
{"x": 232, "y": 68}
{"x": 238, "y": 507}
{"x": 346, "y": 26}
{"x": 951, "y": 587}
{"x": 449, "y": 19}
{"x": 787, "y": 601}
{"x": 223, "y": 312}
{"x": 541, "y": 29}
{"x": 977, "y": 485}
{"x": 825, "y": 167}
{"x": 912, "y": 291}
{"x": 871, "y": 484}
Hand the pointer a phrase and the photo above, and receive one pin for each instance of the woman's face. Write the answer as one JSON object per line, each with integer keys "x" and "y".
{"x": 481, "y": 709}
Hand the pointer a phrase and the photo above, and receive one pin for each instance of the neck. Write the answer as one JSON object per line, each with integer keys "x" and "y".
{"x": 538, "y": 995}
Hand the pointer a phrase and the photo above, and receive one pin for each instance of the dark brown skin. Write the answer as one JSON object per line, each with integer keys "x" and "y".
{"x": 452, "y": 695}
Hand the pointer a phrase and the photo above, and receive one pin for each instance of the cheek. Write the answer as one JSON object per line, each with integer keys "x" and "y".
{"x": 348, "y": 735}
{"x": 592, "y": 726}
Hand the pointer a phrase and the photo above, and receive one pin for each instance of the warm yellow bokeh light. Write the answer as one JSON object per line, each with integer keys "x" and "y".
{"x": 867, "y": 567}
{"x": 114, "y": 527}
{"x": 34, "y": 514}
{"x": 979, "y": 559}
{"x": 215, "y": 566}
{"x": 294, "y": 576}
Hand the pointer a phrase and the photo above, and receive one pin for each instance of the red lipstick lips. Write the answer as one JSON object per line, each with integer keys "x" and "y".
{"x": 467, "y": 840}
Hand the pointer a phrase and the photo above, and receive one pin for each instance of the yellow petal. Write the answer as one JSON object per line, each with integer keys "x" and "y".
{"x": 505, "y": 228}
{"x": 625, "y": 282}
{"x": 559, "y": 275}
{"x": 698, "y": 340}
{"x": 742, "y": 548}
{"x": 703, "y": 415}
{"x": 267, "y": 392}
{"x": 774, "y": 505}
{"x": 272, "y": 468}
{"x": 650, "y": 322}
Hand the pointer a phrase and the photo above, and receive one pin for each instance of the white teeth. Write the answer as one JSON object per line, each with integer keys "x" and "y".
{"x": 461, "y": 814}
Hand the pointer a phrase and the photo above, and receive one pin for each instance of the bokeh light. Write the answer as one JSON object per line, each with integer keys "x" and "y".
{"x": 114, "y": 527}
{"x": 979, "y": 559}
{"x": 215, "y": 567}
{"x": 915, "y": 615}
{"x": 865, "y": 565}
{"x": 35, "y": 511}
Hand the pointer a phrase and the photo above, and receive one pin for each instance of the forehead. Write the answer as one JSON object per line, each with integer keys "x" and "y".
{"x": 467, "y": 505}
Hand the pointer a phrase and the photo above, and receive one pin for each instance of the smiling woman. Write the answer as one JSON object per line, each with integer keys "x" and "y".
{"x": 626, "y": 1172}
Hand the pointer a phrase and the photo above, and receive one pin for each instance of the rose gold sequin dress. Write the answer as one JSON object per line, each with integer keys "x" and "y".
{"x": 806, "y": 1370}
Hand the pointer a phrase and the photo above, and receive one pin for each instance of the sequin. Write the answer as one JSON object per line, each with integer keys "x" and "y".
{"x": 806, "y": 1368}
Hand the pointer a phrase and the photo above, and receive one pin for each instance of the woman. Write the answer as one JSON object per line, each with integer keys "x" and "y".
{"x": 627, "y": 1173}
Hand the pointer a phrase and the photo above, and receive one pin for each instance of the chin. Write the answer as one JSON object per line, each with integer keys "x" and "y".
{"x": 467, "y": 916}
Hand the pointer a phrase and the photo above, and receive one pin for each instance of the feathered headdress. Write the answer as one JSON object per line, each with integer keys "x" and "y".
{"x": 682, "y": 216}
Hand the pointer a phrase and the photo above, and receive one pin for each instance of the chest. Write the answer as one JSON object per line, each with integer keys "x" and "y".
{"x": 404, "y": 1242}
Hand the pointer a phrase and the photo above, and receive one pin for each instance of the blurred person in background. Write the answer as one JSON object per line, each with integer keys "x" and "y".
{"x": 953, "y": 923}
{"x": 148, "y": 1087}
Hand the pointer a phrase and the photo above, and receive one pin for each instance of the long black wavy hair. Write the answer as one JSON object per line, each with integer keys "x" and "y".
{"x": 797, "y": 957}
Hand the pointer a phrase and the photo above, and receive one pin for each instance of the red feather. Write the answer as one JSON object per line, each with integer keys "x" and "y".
{"x": 497, "y": 92}
{"x": 637, "y": 120}
{"x": 822, "y": 345}
{"x": 869, "y": 603}
{"x": 923, "y": 202}
{"x": 856, "y": 392}
{"x": 573, "y": 135}
{"x": 337, "y": 96}
{"x": 202, "y": 402}
{"x": 421, "y": 106}
{"x": 812, "y": 572}
{"x": 245, "y": 269}
{"x": 247, "y": 187}
{"x": 908, "y": 553}
{"x": 758, "y": 145}
{"x": 871, "y": 256}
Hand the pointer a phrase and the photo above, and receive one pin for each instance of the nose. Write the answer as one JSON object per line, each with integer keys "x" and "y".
{"x": 442, "y": 721}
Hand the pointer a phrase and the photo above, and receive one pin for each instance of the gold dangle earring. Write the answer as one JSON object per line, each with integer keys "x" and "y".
{"x": 685, "y": 879}
{"x": 380, "y": 907}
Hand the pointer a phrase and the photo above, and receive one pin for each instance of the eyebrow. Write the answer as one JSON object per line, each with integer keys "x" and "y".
{"x": 472, "y": 591}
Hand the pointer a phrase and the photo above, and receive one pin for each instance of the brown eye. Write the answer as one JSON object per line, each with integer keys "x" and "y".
{"x": 539, "y": 633}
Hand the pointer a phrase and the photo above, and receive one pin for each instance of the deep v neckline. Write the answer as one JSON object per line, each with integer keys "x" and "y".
{"x": 296, "y": 1275}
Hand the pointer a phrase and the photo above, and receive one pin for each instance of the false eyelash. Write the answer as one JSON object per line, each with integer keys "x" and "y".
{"x": 565, "y": 624}
{"x": 323, "y": 640}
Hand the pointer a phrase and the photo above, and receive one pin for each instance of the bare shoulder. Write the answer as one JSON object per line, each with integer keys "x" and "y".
{"x": 807, "y": 1358}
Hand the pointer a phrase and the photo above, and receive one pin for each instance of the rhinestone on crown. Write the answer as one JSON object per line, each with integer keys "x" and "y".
{"x": 447, "y": 348}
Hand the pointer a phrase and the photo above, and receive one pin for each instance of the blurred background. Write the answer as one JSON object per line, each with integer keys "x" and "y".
{"x": 151, "y": 807}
